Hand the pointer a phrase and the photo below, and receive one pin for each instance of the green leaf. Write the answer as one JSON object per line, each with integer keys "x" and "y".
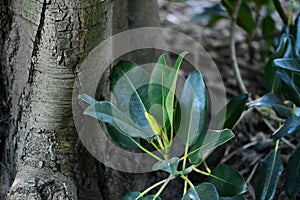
{"x": 88, "y": 99}
{"x": 290, "y": 89}
{"x": 106, "y": 112}
{"x": 269, "y": 173}
{"x": 120, "y": 139}
{"x": 118, "y": 71}
{"x": 173, "y": 76}
{"x": 272, "y": 102}
{"x": 169, "y": 166}
{"x": 234, "y": 110}
{"x": 286, "y": 51}
{"x": 131, "y": 196}
{"x": 268, "y": 30}
{"x": 134, "y": 195}
{"x": 238, "y": 197}
{"x": 193, "y": 104}
{"x": 291, "y": 64}
{"x": 245, "y": 19}
{"x": 207, "y": 142}
{"x": 292, "y": 180}
{"x": 129, "y": 86}
{"x": 291, "y": 126}
{"x": 204, "y": 191}
{"x": 151, "y": 197}
{"x": 227, "y": 181}
{"x": 210, "y": 15}
{"x": 297, "y": 24}
{"x": 158, "y": 89}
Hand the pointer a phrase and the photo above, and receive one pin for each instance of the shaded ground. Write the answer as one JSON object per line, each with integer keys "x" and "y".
{"x": 252, "y": 141}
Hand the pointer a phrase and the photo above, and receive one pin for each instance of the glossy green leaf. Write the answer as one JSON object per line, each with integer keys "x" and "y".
{"x": 297, "y": 24}
{"x": 234, "y": 109}
{"x": 158, "y": 89}
{"x": 169, "y": 166}
{"x": 291, "y": 126}
{"x": 193, "y": 104}
{"x": 106, "y": 112}
{"x": 291, "y": 64}
{"x": 227, "y": 181}
{"x": 118, "y": 71}
{"x": 272, "y": 82}
{"x": 292, "y": 180}
{"x": 269, "y": 173}
{"x": 131, "y": 196}
{"x": 238, "y": 197}
{"x": 204, "y": 191}
{"x": 290, "y": 89}
{"x": 129, "y": 86}
{"x": 120, "y": 139}
{"x": 245, "y": 19}
{"x": 134, "y": 195}
{"x": 88, "y": 99}
{"x": 171, "y": 95}
{"x": 207, "y": 142}
{"x": 272, "y": 102}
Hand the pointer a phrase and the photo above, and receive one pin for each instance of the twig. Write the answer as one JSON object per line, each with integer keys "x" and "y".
{"x": 232, "y": 48}
{"x": 280, "y": 11}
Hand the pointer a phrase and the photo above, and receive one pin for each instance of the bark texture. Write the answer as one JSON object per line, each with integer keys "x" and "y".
{"x": 41, "y": 45}
{"x": 44, "y": 41}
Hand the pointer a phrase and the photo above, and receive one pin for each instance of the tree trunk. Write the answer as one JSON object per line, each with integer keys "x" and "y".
{"x": 41, "y": 45}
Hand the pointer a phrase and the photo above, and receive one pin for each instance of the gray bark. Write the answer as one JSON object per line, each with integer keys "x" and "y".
{"x": 41, "y": 46}
{"x": 44, "y": 43}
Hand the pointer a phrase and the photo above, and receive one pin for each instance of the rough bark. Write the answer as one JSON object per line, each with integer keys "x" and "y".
{"x": 43, "y": 157}
{"x": 41, "y": 46}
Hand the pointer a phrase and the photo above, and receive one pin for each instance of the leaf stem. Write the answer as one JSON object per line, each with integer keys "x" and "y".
{"x": 146, "y": 150}
{"x": 291, "y": 12}
{"x": 151, "y": 188}
{"x": 161, "y": 189}
{"x": 201, "y": 172}
{"x": 206, "y": 167}
{"x": 187, "y": 181}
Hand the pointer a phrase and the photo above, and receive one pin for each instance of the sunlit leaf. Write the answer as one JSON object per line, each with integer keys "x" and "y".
{"x": 173, "y": 76}
{"x": 208, "y": 141}
{"x": 269, "y": 173}
{"x": 227, "y": 181}
{"x": 193, "y": 104}
{"x": 158, "y": 89}
{"x": 292, "y": 180}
